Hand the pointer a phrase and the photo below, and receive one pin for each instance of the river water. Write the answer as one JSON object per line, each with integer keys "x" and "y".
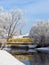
{"x": 26, "y": 62}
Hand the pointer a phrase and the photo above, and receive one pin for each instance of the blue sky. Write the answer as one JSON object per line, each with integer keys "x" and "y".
{"x": 33, "y": 10}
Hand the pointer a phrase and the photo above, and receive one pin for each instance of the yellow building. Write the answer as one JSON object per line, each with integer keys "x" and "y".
{"x": 18, "y": 42}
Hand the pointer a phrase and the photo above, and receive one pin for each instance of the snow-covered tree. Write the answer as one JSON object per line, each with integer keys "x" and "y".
{"x": 11, "y": 22}
{"x": 40, "y": 33}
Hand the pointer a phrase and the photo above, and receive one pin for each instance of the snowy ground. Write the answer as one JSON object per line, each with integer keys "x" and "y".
{"x": 8, "y": 59}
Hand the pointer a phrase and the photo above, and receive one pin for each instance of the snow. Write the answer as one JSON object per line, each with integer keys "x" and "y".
{"x": 17, "y": 36}
{"x": 8, "y": 59}
{"x": 21, "y": 36}
{"x": 43, "y": 49}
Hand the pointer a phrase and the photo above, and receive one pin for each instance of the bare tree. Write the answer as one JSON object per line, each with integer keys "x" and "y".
{"x": 16, "y": 19}
{"x": 40, "y": 33}
{"x": 11, "y": 22}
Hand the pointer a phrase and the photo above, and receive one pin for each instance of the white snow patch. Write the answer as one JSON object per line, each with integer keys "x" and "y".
{"x": 21, "y": 36}
{"x": 8, "y": 59}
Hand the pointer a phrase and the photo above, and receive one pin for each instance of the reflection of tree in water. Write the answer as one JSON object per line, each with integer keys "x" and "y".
{"x": 40, "y": 32}
{"x": 40, "y": 59}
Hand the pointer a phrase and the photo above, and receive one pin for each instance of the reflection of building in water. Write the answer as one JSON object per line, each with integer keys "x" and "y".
{"x": 22, "y": 40}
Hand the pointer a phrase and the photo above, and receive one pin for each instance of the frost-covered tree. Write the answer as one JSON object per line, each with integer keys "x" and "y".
{"x": 40, "y": 33}
{"x": 11, "y": 22}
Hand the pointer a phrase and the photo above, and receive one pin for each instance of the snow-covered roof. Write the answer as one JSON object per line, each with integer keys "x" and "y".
{"x": 8, "y": 59}
{"x": 20, "y": 36}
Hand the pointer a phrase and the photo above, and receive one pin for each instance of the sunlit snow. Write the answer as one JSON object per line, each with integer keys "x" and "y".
{"x": 8, "y": 59}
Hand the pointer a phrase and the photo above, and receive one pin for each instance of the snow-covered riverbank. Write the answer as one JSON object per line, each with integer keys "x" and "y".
{"x": 8, "y": 59}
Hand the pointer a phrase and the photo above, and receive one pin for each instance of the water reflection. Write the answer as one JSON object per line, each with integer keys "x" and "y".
{"x": 26, "y": 62}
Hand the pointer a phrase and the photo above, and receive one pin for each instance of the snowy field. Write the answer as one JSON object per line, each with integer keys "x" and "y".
{"x": 8, "y": 59}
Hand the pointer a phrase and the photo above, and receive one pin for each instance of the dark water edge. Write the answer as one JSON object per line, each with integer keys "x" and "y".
{"x": 26, "y": 62}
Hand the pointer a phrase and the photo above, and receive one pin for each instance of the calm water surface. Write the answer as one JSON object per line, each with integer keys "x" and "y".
{"x": 26, "y": 62}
